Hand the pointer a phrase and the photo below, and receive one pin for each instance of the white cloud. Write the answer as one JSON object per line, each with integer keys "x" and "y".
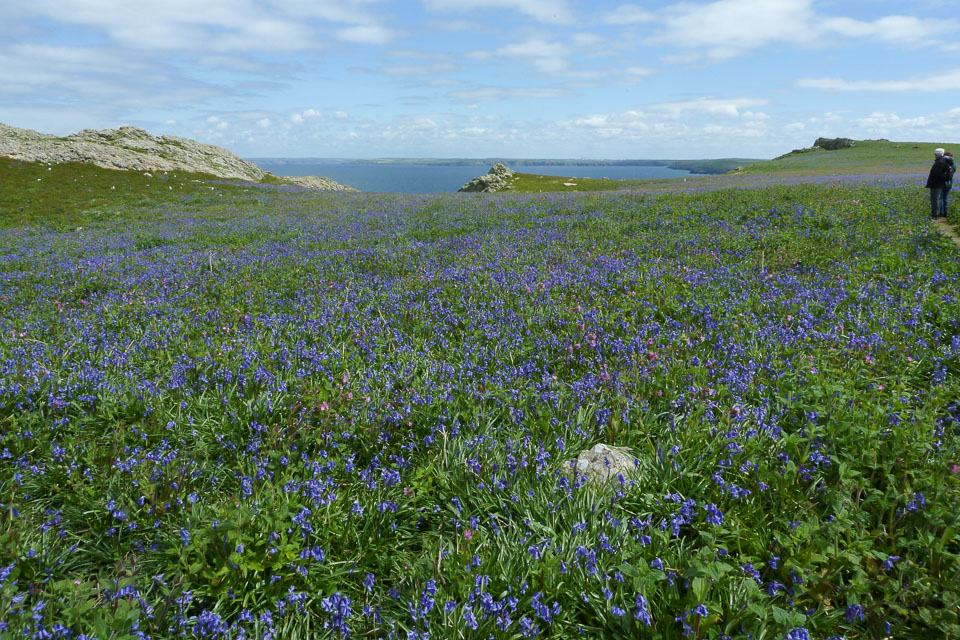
{"x": 64, "y": 74}
{"x": 367, "y": 34}
{"x": 726, "y": 29}
{"x": 588, "y": 40}
{"x": 636, "y": 73}
{"x": 935, "y": 83}
{"x": 495, "y": 94}
{"x": 264, "y": 122}
{"x": 629, "y": 14}
{"x": 907, "y": 30}
{"x": 548, "y": 57}
{"x": 215, "y": 27}
{"x": 412, "y": 70}
{"x": 548, "y": 11}
{"x": 714, "y": 106}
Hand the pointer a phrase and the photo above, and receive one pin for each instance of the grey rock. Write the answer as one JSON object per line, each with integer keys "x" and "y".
{"x": 601, "y": 463}
{"x": 313, "y": 182}
{"x": 832, "y": 144}
{"x": 497, "y": 179}
{"x": 134, "y": 149}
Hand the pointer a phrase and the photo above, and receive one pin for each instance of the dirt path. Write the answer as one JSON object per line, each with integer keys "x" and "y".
{"x": 947, "y": 229}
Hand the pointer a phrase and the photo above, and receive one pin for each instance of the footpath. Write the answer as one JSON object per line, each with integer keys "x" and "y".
{"x": 947, "y": 229}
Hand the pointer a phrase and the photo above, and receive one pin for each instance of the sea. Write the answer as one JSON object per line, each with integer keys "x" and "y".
{"x": 421, "y": 178}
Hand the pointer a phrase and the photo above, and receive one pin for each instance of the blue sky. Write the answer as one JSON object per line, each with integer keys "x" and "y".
{"x": 480, "y": 78}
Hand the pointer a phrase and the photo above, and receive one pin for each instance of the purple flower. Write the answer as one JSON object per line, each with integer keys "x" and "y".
{"x": 640, "y": 611}
{"x": 854, "y": 612}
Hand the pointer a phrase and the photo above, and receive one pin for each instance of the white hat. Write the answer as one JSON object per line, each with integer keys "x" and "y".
{"x": 938, "y": 152}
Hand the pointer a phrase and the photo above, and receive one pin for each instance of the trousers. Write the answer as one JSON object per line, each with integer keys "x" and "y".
{"x": 936, "y": 202}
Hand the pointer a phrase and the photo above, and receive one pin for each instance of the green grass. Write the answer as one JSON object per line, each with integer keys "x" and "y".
{"x": 866, "y": 156}
{"x": 229, "y": 402}
{"x": 72, "y": 193}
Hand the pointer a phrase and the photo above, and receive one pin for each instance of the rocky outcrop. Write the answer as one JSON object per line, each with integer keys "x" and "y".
{"x": 313, "y": 182}
{"x": 134, "y": 149}
{"x": 832, "y": 144}
{"x": 601, "y": 464}
{"x": 497, "y": 179}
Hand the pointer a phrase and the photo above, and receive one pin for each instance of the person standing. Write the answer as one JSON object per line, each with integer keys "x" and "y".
{"x": 939, "y": 174}
{"x": 948, "y": 158}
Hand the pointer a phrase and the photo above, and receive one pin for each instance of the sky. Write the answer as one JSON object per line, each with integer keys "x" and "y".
{"x": 486, "y": 78}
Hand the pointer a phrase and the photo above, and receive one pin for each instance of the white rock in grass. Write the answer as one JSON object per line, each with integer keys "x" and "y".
{"x": 602, "y": 463}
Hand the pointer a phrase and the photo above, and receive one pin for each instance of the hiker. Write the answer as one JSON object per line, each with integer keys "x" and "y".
{"x": 939, "y": 174}
{"x": 948, "y": 158}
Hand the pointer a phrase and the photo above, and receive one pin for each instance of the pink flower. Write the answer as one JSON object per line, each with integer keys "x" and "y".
{"x": 467, "y": 534}
{"x": 954, "y": 468}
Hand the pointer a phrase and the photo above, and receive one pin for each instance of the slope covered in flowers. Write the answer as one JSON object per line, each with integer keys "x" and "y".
{"x": 299, "y": 415}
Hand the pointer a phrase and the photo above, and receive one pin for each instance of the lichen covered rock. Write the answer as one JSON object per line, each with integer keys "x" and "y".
{"x": 497, "y": 179}
{"x": 601, "y": 463}
{"x": 133, "y": 149}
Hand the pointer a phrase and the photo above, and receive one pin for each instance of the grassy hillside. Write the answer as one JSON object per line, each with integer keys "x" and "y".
{"x": 866, "y": 156}
{"x": 71, "y": 193}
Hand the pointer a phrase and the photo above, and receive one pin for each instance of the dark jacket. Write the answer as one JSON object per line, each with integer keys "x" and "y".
{"x": 939, "y": 174}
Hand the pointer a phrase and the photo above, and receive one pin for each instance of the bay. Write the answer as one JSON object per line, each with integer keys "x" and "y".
{"x": 423, "y": 178}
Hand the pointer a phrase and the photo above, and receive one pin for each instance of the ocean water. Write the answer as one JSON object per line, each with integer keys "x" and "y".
{"x": 414, "y": 178}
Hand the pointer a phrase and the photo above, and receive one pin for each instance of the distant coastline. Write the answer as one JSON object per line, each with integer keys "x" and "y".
{"x": 705, "y": 166}
{"x": 421, "y": 177}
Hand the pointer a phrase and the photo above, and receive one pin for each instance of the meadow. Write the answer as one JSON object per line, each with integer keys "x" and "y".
{"x": 239, "y": 411}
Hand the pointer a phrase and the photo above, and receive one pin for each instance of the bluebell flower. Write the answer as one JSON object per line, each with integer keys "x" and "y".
{"x": 854, "y": 612}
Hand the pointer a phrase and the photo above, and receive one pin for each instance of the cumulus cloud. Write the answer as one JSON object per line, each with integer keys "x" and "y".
{"x": 728, "y": 28}
{"x": 725, "y": 29}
